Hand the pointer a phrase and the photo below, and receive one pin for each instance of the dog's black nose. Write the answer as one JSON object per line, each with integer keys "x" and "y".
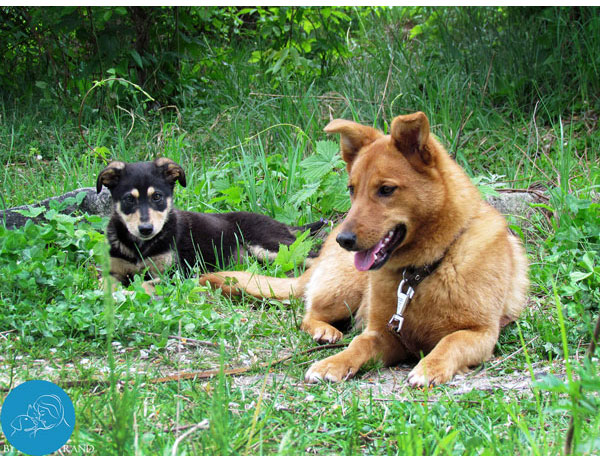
{"x": 347, "y": 240}
{"x": 145, "y": 229}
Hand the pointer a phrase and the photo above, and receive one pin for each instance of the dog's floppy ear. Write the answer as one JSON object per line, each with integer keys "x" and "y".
{"x": 353, "y": 137}
{"x": 110, "y": 176}
{"x": 171, "y": 170}
{"x": 410, "y": 134}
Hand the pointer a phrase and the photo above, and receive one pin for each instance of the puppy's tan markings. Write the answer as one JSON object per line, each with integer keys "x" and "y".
{"x": 132, "y": 221}
{"x": 158, "y": 218}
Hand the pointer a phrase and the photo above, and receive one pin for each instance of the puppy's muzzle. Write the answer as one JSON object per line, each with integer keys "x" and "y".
{"x": 145, "y": 229}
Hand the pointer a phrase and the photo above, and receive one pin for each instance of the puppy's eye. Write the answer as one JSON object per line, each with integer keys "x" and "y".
{"x": 129, "y": 199}
{"x": 351, "y": 190}
{"x": 156, "y": 197}
{"x": 386, "y": 190}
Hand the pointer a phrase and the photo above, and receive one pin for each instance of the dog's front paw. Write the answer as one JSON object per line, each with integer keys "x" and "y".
{"x": 428, "y": 373}
{"x": 330, "y": 369}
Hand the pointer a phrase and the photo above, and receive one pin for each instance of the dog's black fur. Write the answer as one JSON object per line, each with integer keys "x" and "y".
{"x": 146, "y": 232}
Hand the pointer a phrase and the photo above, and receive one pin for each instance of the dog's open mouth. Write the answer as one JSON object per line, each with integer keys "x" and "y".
{"x": 375, "y": 257}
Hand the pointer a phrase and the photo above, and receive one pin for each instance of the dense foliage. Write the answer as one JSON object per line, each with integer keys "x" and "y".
{"x": 514, "y": 54}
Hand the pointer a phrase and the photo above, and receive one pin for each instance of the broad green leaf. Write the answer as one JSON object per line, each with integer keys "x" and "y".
{"x": 578, "y": 276}
{"x": 325, "y": 160}
{"x": 32, "y": 211}
{"x": 137, "y": 58}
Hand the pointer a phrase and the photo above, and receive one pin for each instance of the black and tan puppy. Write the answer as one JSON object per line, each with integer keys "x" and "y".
{"x": 146, "y": 232}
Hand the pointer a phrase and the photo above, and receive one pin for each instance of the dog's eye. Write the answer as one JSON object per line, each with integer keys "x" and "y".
{"x": 386, "y": 190}
{"x": 351, "y": 190}
{"x": 156, "y": 197}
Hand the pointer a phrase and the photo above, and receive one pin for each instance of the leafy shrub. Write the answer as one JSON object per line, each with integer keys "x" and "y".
{"x": 49, "y": 283}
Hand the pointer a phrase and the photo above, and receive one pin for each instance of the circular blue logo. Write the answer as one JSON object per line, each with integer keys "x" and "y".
{"x": 37, "y": 417}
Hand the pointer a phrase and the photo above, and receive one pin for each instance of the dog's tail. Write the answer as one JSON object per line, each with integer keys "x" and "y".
{"x": 236, "y": 283}
{"x": 313, "y": 227}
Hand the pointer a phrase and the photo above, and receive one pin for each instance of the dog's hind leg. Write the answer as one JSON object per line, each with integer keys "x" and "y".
{"x": 237, "y": 283}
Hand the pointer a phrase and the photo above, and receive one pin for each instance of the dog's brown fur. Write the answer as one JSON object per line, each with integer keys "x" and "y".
{"x": 406, "y": 179}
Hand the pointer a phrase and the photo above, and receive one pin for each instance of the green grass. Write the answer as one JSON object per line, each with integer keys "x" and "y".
{"x": 248, "y": 144}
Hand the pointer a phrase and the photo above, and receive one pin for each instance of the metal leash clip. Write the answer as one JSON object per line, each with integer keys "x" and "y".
{"x": 404, "y": 297}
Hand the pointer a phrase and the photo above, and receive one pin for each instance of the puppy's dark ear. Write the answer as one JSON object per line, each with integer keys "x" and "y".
{"x": 171, "y": 170}
{"x": 410, "y": 134}
{"x": 353, "y": 137}
{"x": 110, "y": 176}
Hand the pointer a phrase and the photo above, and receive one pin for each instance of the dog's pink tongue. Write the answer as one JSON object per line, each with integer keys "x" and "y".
{"x": 363, "y": 260}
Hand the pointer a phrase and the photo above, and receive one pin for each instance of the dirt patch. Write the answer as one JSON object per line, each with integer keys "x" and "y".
{"x": 176, "y": 358}
{"x": 387, "y": 383}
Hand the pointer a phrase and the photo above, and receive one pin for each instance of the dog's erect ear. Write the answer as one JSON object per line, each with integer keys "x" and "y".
{"x": 410, "y": 134}
{"x": 171, "y": 170}
{"x": 353, "y": 137}
{"x": 110, "y": 176}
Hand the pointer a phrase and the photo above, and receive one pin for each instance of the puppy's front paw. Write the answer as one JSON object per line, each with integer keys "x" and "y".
{"x": 428, "y": 373}
{"x": 330, "y": 369}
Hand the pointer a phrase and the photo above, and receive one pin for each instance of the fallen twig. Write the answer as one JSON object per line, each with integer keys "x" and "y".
{"x": 205, "y": 374}
{"x": 238, "y": 371}
{"x": 185, "y": 340}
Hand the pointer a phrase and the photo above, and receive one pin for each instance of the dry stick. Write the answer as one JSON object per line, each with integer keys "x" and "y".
{"x": 537, "y": 135}
{"x": 463, "y": 122}
{"x": 172, "y": 106}
{"x": 524, "y": 190}
{"x": 238, "y": 371}
{"x": 387, "y": 81}
{"x": 200, "y": 374}
{"x": 588, "y": 355}
{"x": 487, "y": 79}
{"x": 185, "y": 340}
{"x": 132, "y": 121}
{"x": 552, "y": 182}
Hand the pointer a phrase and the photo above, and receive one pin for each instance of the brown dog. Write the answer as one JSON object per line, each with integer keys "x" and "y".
{"x": 433, "y": 270}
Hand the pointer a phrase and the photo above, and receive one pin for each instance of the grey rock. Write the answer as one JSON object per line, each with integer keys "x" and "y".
{"x": 517, "y": 203}
{"x": 93, "y": 203}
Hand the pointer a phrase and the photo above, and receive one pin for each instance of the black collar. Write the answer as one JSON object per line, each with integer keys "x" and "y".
{"x": 411, "y": 277}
